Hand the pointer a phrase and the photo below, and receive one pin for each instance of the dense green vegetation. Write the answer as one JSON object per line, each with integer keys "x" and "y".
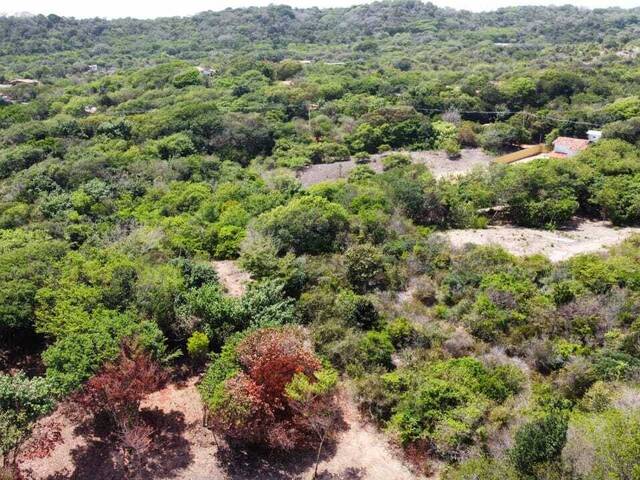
{"x": 119, "y": 188}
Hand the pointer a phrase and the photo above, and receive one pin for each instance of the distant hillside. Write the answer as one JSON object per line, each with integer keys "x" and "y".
{"x": 53, "y": 46}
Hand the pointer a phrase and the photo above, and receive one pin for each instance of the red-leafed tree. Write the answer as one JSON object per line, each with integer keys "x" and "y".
{"x": 118, "y": 390}
{"x": 270, "y": 389}
{"x": 120, "y": 386}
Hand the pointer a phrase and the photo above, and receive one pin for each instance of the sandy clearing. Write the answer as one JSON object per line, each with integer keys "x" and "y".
{"x": 587, "y": 237}
{"x": 363, "y": 449}
{"x": 187, "y": 450}
{"x": 437, "y": 162}
{"x": 232, "y": 277}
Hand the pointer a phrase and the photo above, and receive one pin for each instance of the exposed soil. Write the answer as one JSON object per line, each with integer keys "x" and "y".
{"x": 232, "y": 277}
{"x": 587, "y": 236}
{"x": 186, "y": 450}
{"x": 437, "y": 162}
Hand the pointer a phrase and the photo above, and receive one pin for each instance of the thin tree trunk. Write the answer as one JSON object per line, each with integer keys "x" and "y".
{"x": 315, "y": 470}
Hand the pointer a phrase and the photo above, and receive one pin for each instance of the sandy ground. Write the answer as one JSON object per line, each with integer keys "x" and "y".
{"x": 187, "y": 450}
{"x": 437, "y": 162}
{"x": 587, "y": 237}
{"x": 232, "y": 277}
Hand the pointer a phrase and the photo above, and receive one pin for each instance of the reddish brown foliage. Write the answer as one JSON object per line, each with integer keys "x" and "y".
{"x": 43, "y": 441}
{"x": 120, "y": 386}
{"x": 259, "y": 410}
{"x": 136, "y": 441}
{"x": 272, "y": 358}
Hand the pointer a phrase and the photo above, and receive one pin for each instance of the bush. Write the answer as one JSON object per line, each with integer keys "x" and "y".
{"x": 540, "y": 194}
{"x": 22, "y": 401}
{"x": 604, "y": 446}
{"x": 309, "y": 224}
{"x": 187, "y": 78}
{"x": 451, "y": 148}
{"x": 356, "y": 310}
{"x": 78, "y": 354}
{"x": 198, "y": 346}
{"x": 449, "y": 400}
{"x": 619, "y": 198}
{"x": 362, "y": 157}
{"x": 375, "y": 349}
{"x": 267, "y": 387}
{"x": 365, "y": 267}
{"x": 539, "y": 441}
{"x": 482, "y": 469}
{"x": 395, "y": 160}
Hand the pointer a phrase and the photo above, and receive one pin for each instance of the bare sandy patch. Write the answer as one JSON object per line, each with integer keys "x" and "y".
{"x": 232, "y": 277}
{"x": 186, "y": 450}
{"x": 587, "y": 236}
{"x": 363, "y": 452}
{"x": 437, "y": 162}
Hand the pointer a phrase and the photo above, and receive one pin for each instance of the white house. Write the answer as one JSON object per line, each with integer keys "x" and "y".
{"x": 594, "y": 135}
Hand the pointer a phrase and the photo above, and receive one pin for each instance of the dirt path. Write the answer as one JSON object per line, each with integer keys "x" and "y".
{"x": 587, "y": 237}
{"x": 187, "y": 451}
{"x": 232, "y": 277}
{"x": 363, "y": 452}
{"x": 437, "y": 162}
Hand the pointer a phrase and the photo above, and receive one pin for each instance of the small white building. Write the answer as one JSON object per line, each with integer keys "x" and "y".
{"x": 594, "y": 135}
{"x": 93, "y": 68}
{"x": 206, "y": 71}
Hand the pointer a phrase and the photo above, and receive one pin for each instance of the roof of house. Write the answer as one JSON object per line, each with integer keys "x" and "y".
{"x": 574, "y": 144}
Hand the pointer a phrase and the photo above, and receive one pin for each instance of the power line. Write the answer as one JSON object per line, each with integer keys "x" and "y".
{"x": 275, "y": 107}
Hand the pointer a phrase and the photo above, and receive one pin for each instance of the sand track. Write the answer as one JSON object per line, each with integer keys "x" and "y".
{"x": 587, "y": 236}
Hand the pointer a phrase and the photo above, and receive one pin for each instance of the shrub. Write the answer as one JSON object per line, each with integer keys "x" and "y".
{"x": 356, "y": 310}
{"x": 120, "y": 386}
{"x": 187, "y": 78}
{"x": 604, "y": 446}
{"x": 361, "y": 173}
{"x": 395, "y": 160}
{"x": 619, "y": 198}
{"x": 449, "y": 400}
{"x": 482, "y": 469}
{"x": 27, "y": 259}
{"x": 362, "y": 157}
{"x": 365, "y": 267}
{"x": 266, "y": 387}
{"x": 198, "y": 346}
{"x": 539, "y": 441}
{"x": 375, "y": 349}
{"x": 309, "y": 224}
{"x": 451, "y": 148}
{"x": 78, "y": 354}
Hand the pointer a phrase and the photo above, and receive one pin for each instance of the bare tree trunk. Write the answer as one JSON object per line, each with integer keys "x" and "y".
{"x": 315, "y": 470}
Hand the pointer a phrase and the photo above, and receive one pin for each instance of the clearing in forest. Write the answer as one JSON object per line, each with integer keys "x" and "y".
{"x": 232, "y": 277}
{"x": 586, "y": 236}
{"x": 437, "y": 162}
{"x": 188, "y": 451}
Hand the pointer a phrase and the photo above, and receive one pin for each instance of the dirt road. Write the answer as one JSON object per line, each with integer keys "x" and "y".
{"x": 587, "y": 237}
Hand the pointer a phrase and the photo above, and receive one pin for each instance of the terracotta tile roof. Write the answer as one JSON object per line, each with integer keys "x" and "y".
{"x": 574, "y": 144}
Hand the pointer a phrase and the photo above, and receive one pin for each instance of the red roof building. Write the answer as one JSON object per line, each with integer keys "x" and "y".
{"x": 568, "y": 147}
